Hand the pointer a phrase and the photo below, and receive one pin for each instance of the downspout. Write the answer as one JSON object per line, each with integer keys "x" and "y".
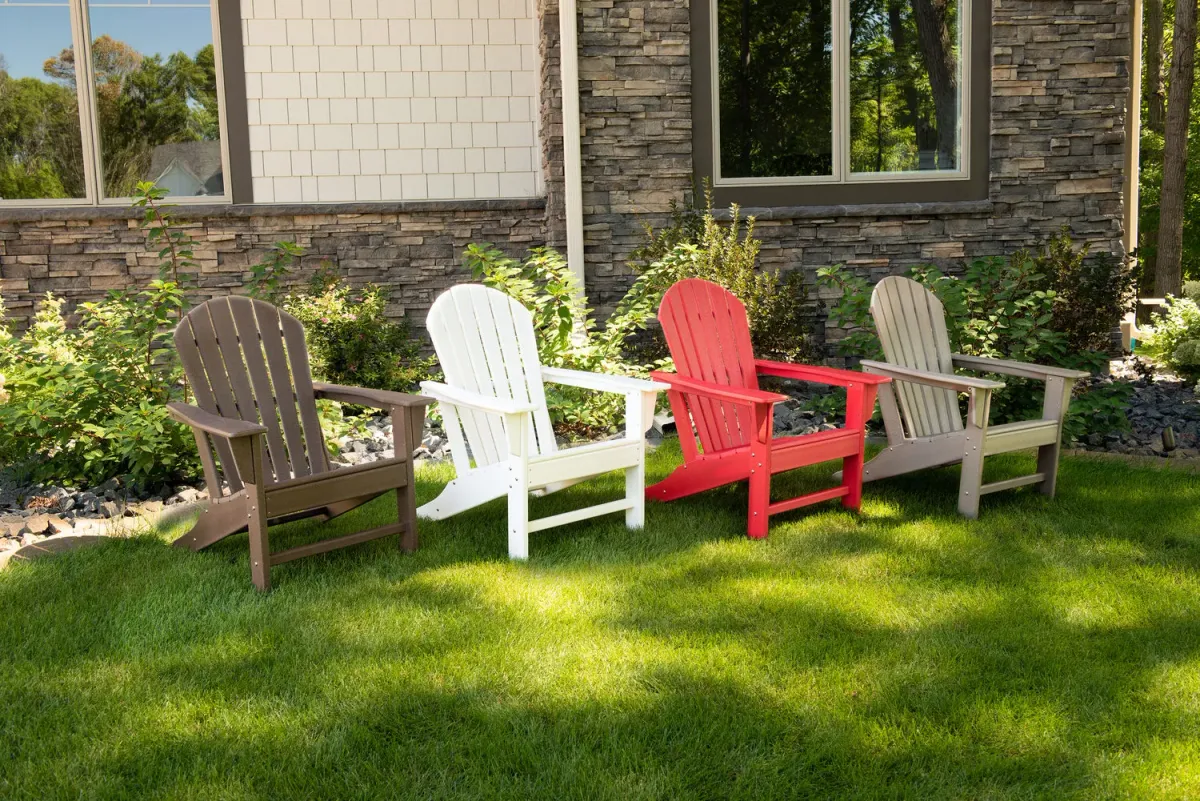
{"x": 572, "y": 153}
{"x": 1133, "y": 128}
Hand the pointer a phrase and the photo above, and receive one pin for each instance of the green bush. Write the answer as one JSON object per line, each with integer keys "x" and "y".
{"x": 1091, "y": 293}
{"x": 566, "y": 333}
{"x": 696, "y": 245}
{"x": 85, "y": 404}
{"x": 1186, "y": 359}
{"x": 1169, "y": 331}
{"x": 350, "y": 341}
{"x": 1191, "y": 291}
{"x": 1002, "y": 308}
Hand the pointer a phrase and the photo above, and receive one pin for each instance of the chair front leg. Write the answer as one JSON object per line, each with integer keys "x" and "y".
{"x": 978, "y": 407}
{"x": 247, "y": 452}
{"x": 860, "y": 403}
{"x": 760, "y": 471}
{"x": 408, "y": 425}
{"x": 518, "y": 487}
{"x": 1054, "y": 407}
{"x": 639, "y": 411}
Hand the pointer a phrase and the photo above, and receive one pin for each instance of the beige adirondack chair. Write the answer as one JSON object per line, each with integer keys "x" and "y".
{"x": 247, "y": 365}
{"x": 925, "y": 427}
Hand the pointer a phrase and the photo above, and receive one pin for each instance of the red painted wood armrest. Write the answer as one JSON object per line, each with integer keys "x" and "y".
{"x": 739, "y": 395}
{"x": 819, "y": 375}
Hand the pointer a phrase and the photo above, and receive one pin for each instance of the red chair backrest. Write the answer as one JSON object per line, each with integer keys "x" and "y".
{"x": 709, "y": 338}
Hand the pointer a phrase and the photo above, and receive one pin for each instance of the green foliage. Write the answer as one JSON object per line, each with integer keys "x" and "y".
{"x": 696, "y": 245}
{"x": 276, "y": 266}
{"x": 1191, "y": 291}
{"x": 1171, "y": 330}
{"x": 1012, "y": 309}
{"x": 565, "y": 330}
{"x": 350, "y": 340}
{"x": 176, "y": 246}
{"x": 1091, "y": 293}
{"x": 88, "y": 403}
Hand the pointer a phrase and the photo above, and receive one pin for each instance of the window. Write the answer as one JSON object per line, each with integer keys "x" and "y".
{"x": 841, "y": 101}
{"x": 98, "y": 95}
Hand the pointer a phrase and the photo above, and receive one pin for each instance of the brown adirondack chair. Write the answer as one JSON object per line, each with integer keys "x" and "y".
{"x": 247, "y": 365}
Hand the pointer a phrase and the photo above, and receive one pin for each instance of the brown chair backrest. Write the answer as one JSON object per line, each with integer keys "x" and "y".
{"x": 246, "y": 359}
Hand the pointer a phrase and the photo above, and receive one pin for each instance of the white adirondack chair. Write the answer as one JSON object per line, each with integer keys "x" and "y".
{"x": 920, "y": 407}
{"x": 493, "y": 402}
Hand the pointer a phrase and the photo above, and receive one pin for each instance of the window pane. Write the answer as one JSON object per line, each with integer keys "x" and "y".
{"x": 41, "y": 153}
{"x": 156, "y": 97}
{"x": 905, "y": 85}
{"x": 774, "y": 61}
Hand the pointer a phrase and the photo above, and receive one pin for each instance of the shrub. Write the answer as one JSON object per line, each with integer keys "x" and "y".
{"x": 696, "y": 245}
{"x": 565, "y": 330}
{"x": 1186, "y": 359}
{"x": 1170, "y": 330}
{"x": 349, "y": 339}
{"x": 1191, "y": 291}
{"x": 88, "y": 403}
{"x": 1001, "y": 309}
{"x": 1091, "y": 293}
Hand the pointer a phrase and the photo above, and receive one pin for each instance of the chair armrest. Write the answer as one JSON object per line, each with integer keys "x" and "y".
{"x": 214, "y": 424}
{"x": 457, "y": 396}
{"x": 1020, "y": 369}
{"x": 373, "y": 398}
{"x": 601, "y": 382}
{"x": 739, "y": 395}
{"x": 816, "y": 374}
{"x": 958, "y": 383}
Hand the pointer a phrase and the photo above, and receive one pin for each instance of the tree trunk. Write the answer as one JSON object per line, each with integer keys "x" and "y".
{"x": 937, "y": 48}
{"x": 1156, "y": 94}
{"x": 1168, "y": 276}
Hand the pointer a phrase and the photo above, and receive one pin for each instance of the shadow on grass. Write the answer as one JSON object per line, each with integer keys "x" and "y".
{"x": 1046, "y": 650}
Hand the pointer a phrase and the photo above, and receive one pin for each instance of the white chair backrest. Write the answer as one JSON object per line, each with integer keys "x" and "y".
{"x": 485, "y": 343}
{"x": 911, "y": 323}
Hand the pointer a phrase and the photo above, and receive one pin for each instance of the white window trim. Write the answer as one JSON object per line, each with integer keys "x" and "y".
{"x": 840, "y": 124}
{"x": 85, "y": 89}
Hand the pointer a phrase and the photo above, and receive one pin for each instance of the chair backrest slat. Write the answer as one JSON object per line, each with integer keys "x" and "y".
{"x": 271, "y": 333}
{"x": 193, "y": 367}
{"x": 485, "y": 343}
{"x": 709, "y": 337}
{"x": 245, "y": 359}
{"x": 911, "y": 323}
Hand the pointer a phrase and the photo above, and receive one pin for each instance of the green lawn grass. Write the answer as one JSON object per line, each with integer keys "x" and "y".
{"x": 1050, "y": 649}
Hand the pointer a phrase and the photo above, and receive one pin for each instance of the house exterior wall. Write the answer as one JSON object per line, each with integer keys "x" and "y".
{"x": 1057, "y": 136}
{"x": 1060, "y": 83}
{"x": 369, "y": 100}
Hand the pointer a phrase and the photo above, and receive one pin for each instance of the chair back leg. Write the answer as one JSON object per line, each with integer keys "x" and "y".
{"x": 852, "y": 469}
{"x": 1048, "y": 466}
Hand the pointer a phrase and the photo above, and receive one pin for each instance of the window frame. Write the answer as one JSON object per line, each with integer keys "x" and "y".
{"x": 85, "y": 92}
{"x": 844, "y": 187}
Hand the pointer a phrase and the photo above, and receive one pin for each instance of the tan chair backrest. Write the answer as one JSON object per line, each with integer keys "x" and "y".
{"x": 911, "y": 323}
{"x": 247, "y": 359}
{"x": 485, "y": 343}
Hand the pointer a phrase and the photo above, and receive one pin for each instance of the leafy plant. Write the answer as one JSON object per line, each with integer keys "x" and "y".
{"x": 1004, "y": 308}
{"x": 697, "y": 245}
{"x": 566, "y": 333}
{"x": 1091, "y": 293}
{"x": 276, "y": 266}
{"x": 1170, "y": 331}
{"x": 88, "y": 403}
{"x": 1191, "y": 291}
{"x": 176, "y": 246}
{"x": 351, "y": 340}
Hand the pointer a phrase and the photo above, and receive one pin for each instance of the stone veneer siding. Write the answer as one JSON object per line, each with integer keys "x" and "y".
{"x": 413, "y": 249}
{"x": 1060, "y": 77}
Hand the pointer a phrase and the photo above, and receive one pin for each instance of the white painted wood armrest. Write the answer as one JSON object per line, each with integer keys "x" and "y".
{"x": 601, "y": 382}
{"x": 958, "y": 383}
{"x": 1020, "y": 369}
{"x": 473, "y": 400}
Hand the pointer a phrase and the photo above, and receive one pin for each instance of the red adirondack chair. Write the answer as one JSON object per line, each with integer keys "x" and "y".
{"x": 716, "y": 389}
